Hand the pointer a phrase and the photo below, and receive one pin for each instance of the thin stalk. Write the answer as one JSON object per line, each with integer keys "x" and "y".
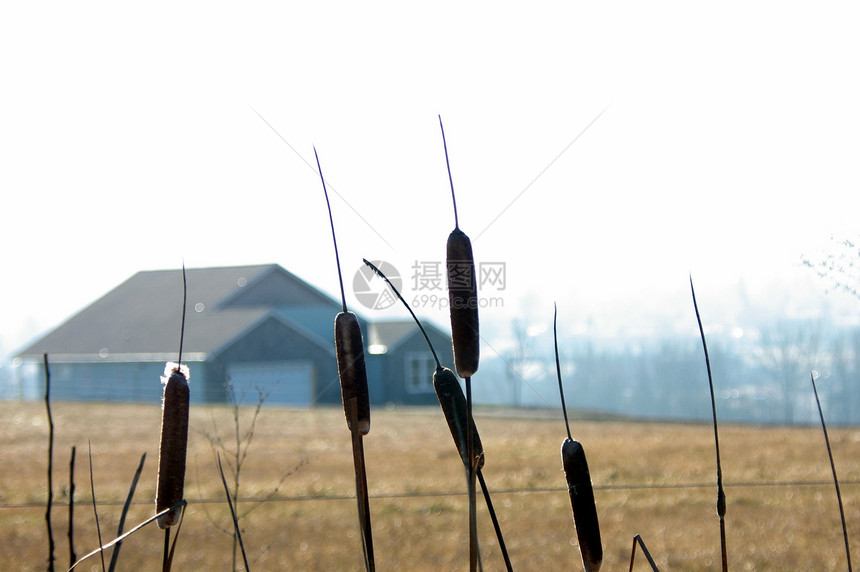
{"x": 450, "y": 179}
{"x": 358, "y": 460}
{"x": 50, "y": 463}
{"x": 182, "y": 326}
{"x": 72, "y": 555}
{"x": 558, "y": 368}
{"x": 495, "y": 520}
{"x": 362, "y": 495}
{"x": 180, "y": 505}
{"x": 333, "y": 237}
{"x": 835, "y": 478}
{"x": 236, "y": 476}
{"x": 165, "y": 558}
{"x": 474, "y": 551}
{"x": 125, "y": 507}
{"x": 721, "y": 495}
{"x": 233, "y": 514}
{"x": 638, "y": 539}
{"x": 168, "y": 562}
{"x": 95, "y": 509}
{"x": 363, "y": 498}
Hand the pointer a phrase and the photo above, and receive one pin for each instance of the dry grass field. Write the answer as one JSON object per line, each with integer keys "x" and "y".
{"x": 418, "y": 488}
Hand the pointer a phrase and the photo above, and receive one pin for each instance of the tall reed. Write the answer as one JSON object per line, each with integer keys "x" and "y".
{"x": 833, "y": 470}
{"x": 462, "y": 427}
{"x": 721, "y": 495}
{"x": 578, "y": 478}
{"x": 351, "y": 368}
{"x": 50, "y": 463}
{"x": 465, "y": 337}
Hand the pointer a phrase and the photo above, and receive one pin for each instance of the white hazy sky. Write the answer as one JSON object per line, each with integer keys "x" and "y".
{"x": 726, "y": 144}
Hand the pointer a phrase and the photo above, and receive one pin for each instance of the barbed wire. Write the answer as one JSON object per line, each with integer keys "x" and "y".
{"x": 437, "y": 494}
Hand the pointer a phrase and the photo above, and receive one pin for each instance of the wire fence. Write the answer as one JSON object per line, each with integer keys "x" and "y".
{"x": 438, "y": 494}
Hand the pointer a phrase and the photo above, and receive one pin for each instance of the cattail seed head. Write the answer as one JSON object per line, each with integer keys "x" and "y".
{"x": 463, "y": 303}
{"x": 453, "y": 403}
{"x": 352, "y": 371}
{"x": 582, "y": 502}
{"x": 174, "y": 442}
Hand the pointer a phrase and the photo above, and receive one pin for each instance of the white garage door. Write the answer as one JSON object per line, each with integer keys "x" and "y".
{"x": 286, "y": 382}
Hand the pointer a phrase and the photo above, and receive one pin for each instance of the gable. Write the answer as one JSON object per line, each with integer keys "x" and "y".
{"x": 273, "y": 338}
{"x": 278, "y": 288}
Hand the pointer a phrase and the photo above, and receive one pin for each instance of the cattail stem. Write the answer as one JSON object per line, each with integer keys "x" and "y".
{"x": 833, "y": 469}
{"x": 182, "y": 325}
{"x": 165, "y": 553}
{"x": 114, "y": 557}
{"x": 233, "y": 514}
{"x": 721, "y": 495}
{"x": 495, "y": 520}
{"x": 363, "y": 499}
{"x": 638, "y": 539}
{"x": 50, "y": 463}
{"x": 333, "y": 237}
{"x": 72, "y": 555}
{"x": 450, "y": 179}
{"x": 558, "y": 368}
{"x": 362, "y": 494}
{"x": 474, "y": 551}
{"x": 95, "y": 508}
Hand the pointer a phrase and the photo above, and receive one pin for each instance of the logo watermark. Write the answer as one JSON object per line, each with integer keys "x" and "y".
{"x": 429, "y": 282}
{"x": 371, "y": 290}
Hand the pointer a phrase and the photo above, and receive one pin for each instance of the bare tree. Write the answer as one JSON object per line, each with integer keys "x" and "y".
{"x": 517, "y": 358}
{"x": 840, "y": 266}
{"x": 841, "y": 388}
{"x": 234, "y": 451}
{"x": 788, "y": 349}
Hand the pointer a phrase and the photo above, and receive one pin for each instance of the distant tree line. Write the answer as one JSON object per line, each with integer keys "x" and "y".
{"x": 762, "y": 377}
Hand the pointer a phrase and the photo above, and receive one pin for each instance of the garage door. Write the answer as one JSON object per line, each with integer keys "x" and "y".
{"x": 287, "y": 382}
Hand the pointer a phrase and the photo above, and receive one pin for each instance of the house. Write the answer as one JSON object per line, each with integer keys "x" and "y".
{"x": 247, "y": 328}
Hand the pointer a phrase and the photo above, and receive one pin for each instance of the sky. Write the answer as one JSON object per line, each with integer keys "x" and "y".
{"x": 601, "y": 153}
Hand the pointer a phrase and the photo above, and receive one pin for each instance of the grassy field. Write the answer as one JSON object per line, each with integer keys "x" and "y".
{"x": 417, "y": 482}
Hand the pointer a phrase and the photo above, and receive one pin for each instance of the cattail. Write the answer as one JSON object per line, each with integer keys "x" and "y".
{"x": 456, "y": 410}
{"x": 352, "y": 372}
{"x": 453, "y": 402}
{"x": 462, "y": 291}
{"x": 582, "y": 501}
{"x": 349, "y": 348}
{"x": 463, "y": 303}
{"x": 174, "y": 442}
{"x": 579, "y": 485}
{"x": 463, "y": 307}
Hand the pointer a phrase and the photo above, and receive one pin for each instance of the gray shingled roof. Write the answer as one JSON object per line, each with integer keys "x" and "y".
{"x": 143, "y": 314}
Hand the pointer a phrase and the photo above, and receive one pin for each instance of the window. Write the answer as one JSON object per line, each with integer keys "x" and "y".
{"x": 419, "y": 372}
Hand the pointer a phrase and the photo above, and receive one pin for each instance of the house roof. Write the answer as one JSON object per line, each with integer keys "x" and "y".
{"x": 142, "y": 316}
